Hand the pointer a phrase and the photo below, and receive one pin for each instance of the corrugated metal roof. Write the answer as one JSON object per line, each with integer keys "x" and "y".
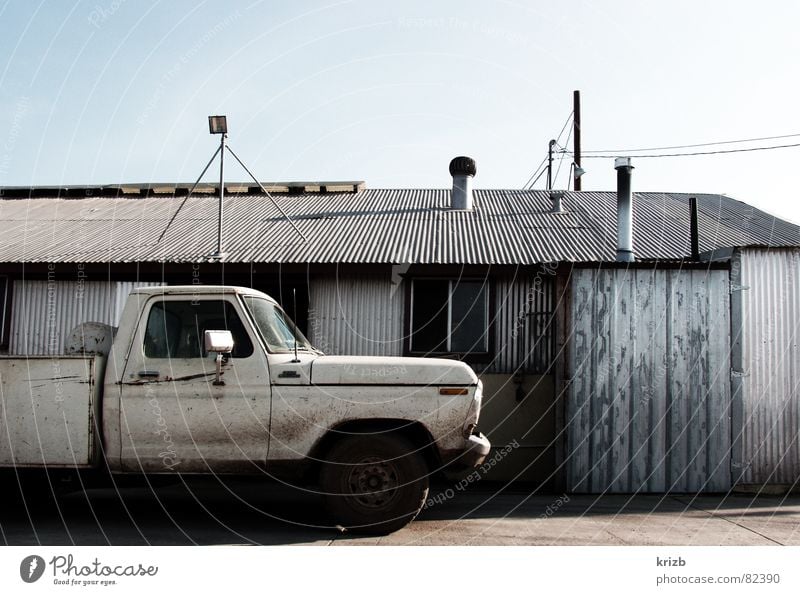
{"x": 375, "y": 226}
{"x": 177, "y": 189}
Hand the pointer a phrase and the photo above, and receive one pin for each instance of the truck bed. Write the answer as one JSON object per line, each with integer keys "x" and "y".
{"x": 48, "y": 410}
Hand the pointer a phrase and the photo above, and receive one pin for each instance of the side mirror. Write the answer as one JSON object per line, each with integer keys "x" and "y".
{"x": 218, "y": 342}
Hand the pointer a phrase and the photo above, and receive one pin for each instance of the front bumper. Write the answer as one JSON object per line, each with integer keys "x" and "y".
{"x": 475, "y": 451}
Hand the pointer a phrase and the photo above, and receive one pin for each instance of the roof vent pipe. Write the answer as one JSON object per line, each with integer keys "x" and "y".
{"x": 624, "y": 210}
{"x": 463, "y": 170}
{"x": 556, "y": 197}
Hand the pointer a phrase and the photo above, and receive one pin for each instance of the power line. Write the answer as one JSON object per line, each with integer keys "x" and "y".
{"x": 541, "y": 173}
{"x": 529, "y": 184}
{"x": 563, "y": 154}
{"x": 722, "y": 142}
{"x": 555, "y": 143}
{"x": 564, "y": 127}
{"x": 693, "y": 154}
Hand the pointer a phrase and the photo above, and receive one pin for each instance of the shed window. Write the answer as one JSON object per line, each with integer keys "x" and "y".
{"x": 5, "y": 311}
{"x": 449, "y": 316}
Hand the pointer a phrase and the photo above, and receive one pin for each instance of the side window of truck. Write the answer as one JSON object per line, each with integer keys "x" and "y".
{"x": 175, "y": 329}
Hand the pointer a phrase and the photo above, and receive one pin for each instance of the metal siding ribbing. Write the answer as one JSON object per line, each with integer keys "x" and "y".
{"x": 649, "y": 399}
{"x": 356, "y": 316}
{"x": 770, "y": 298}
{"x": 524, "y": 326}
{"x": 45, "y": 312}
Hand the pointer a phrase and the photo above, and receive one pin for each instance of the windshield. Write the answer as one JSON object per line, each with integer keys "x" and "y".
{"x": 276, "y": 328}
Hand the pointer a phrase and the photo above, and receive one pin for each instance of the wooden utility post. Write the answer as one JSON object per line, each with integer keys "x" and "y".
{"x": 576, "y": 135}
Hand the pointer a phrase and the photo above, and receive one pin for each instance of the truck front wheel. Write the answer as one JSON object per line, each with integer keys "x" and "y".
{"x": 374, "y": 483}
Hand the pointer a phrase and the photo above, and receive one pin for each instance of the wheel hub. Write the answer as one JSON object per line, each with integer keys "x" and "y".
{"x": 374, "y": 482}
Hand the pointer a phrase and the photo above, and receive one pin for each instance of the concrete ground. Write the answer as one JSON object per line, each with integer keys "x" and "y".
{"x": 205, "y": 512}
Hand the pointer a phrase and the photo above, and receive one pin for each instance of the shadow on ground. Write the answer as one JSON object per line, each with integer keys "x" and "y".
{"x": 191, "y": 511}
{"x": 208, "y": 511}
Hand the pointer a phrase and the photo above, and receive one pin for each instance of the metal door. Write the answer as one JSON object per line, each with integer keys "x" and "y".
{"x": 173, "y": 417}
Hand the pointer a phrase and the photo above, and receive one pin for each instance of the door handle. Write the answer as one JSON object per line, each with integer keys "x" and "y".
{"x": 148, "y": 374}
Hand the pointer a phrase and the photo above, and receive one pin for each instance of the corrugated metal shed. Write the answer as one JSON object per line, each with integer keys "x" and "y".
{"x": 45, "y": 312}
{"x": 649, "y": 400}
{"x": 374, "y": 226}
{"x": 524, "y": 326}
{"x": 356, "y": 316}
{"x": 364, "y": 316}
{"x": 768, "y": 283}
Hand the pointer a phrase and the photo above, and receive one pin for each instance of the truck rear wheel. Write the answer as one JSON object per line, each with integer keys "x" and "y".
{"x": 374, "y": 484}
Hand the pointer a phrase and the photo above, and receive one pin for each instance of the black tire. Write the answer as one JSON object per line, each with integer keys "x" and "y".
{"x": 374, "y": 484}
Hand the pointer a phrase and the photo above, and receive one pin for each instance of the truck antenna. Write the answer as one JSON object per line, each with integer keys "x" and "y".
{"x": 294, "y": 323}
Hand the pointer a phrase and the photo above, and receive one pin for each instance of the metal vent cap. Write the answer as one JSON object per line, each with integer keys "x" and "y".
{"x": 463, "y": 166}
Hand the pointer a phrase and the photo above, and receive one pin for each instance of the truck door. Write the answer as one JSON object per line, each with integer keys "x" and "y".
{"x": 173, "y": 418}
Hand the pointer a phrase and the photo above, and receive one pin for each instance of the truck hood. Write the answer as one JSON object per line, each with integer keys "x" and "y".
{"x": 343, "y": 369}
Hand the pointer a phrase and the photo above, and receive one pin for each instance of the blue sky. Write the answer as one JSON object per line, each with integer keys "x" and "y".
{"x": 388, "y": 92}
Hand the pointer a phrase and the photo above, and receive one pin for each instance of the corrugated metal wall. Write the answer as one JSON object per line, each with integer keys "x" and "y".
{"x": 524, "y": 325}
{"x": 648, "y": 406}
{"x": 361, "y": 316}
{"x": 769, "y": 283}
{"x": 365, "y": 317}
{"x": 44, "y": 312}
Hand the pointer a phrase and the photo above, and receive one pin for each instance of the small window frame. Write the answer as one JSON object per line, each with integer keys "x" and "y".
{"x": 467, "y": 356}
{"x": 5, "y": 311}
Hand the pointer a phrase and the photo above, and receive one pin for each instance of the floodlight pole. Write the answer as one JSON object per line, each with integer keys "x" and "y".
{"x": 265, "y": 191}
{"x": 222, "y": 136}
{"x": 185, "y": 198}
{"x": 219, "y": 125}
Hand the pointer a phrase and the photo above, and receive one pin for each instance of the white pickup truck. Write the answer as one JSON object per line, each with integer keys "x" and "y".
{"x": 217, "y": 380}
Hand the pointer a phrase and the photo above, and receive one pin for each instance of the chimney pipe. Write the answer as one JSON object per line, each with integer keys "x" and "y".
{"x": 624, "y": 210}
{"x": 693, "y": 230}
{"x": 463, "y": 170}
{"x": 556, "y": 197}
